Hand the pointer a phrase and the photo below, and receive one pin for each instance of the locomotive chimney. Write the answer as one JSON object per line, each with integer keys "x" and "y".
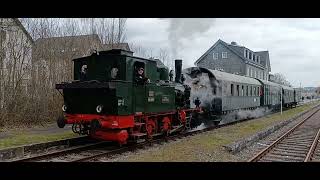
{"x": 178, "y": 69}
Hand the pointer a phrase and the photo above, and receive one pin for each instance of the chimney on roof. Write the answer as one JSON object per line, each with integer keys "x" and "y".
{"x": 233, "y": 43}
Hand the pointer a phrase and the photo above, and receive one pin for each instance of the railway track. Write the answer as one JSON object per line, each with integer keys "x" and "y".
{"x": 299, "y": 144}
{"x": 90, "y": 152}
{"x": 93, "y": 151}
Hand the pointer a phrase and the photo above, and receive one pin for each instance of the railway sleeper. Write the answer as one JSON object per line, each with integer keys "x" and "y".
{"x": 289, "y": 150}
{"x": 270, "y": 159}
{"x": 304, "y": 133}
{"x": 298, "y": 142}
{"x": 294, "y": 144}
{"x": 301, "y": 137}
{"x": 284, "y": 158}
{"x": 292, "y": 148}
{"x": 289, "y": 154}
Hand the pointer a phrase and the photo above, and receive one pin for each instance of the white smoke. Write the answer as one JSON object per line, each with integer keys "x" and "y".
{"x": 185, "y": 29}
{"x": 200, "y": 88}
{"x": 245, "y": 114}
{"x": 200, "y": 127}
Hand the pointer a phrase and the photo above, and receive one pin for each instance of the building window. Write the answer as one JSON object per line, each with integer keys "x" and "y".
{"x": 246, "y": 53}
{"x": 215, "y": 55}
{"x": 258, "y": 91}
{"x": 254, "y": 57}
{"x": 231, "y": 89}
{"x": 251, "y": 91}
{"x": 250, "y": 55}
{"x": 258, "y": 59}
{"x": 254, "y": 91}
{"x": 224, "y": 55}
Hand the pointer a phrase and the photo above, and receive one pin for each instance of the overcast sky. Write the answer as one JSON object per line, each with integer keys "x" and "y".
{"x": 293, "y": 44}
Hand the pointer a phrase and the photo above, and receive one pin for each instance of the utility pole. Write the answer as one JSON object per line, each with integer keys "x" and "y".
{"x": 300, "y": 97}
{"x": 281, "y": 101}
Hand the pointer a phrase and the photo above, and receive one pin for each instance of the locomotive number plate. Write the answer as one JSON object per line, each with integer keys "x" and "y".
{"x": 165, "y": 99}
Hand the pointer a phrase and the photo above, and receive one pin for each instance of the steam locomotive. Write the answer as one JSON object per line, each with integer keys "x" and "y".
{"x": 116, "y": 96}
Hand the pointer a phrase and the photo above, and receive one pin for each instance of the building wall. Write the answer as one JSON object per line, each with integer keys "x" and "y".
{"x": 254, "y": 72}
{"x": 232, "y": 64}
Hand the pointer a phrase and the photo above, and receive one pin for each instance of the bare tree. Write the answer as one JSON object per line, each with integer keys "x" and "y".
{"x": 28, "y": 73}
{"x": 15, "y": 71}
{"x": 281, "y": 79}
{"x": 110, "y": 30}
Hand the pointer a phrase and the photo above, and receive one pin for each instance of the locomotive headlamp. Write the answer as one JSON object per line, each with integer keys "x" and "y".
{"x": 64, "y": 108}
{"x": 99, "y": 108}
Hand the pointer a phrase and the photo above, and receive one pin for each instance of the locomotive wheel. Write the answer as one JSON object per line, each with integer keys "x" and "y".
{"x": 150, "y": 127}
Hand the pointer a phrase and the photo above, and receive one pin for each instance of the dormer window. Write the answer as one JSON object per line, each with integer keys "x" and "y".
{"x": 224, "y": 55}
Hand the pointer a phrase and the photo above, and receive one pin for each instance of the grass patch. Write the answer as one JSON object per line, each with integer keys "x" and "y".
{"x": 208, "y": 146}
{"x": 24, "y": 139}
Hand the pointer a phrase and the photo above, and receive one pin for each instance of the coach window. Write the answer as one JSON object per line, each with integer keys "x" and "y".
{"x": 238, "y": 92}
{"x": 258, "y": 91}
{"x": 242, "y": 90}
{"x": 247, "y": 91}
{"x": 254, "y": 91}
{"x": 231, "y": 89}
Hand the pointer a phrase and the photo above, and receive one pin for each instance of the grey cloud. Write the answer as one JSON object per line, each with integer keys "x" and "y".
{"x": 293, "y": 44}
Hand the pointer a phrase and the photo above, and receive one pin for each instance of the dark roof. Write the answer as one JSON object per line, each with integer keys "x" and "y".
{"x": 264, "y": 57}
{"x": 17, "y": 21}
{"x": 66, "y": 39}
{"x": 124, "y": 46}
{"x": 236, "y": 49}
